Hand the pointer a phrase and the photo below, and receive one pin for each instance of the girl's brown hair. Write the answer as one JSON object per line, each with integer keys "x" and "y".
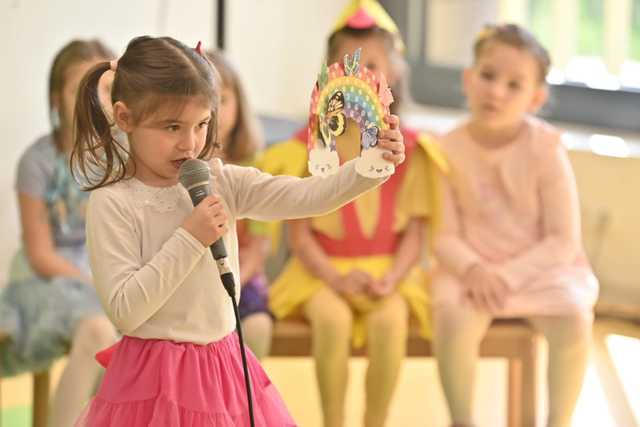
{"x": 515, "y": 36}
{"x": 74, "y": 52}
{"x": 151, "y": 73}
{"x": 400, "y": 89}
{"x": 246, "y": 136}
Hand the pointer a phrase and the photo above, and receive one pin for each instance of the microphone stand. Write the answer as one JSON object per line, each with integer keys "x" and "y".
{"x": 229, "y": 285}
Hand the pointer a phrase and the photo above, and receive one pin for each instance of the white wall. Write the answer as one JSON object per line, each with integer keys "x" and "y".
{"x": 278, "y": 46}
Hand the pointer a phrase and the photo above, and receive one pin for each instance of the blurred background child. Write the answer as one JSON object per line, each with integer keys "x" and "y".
{"x": 510, "y": 243}
{"x": 50, "y": 305}
{"x": 353, "y": 274}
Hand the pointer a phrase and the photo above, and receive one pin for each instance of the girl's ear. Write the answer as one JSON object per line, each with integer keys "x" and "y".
{"x": 123, "y": 117}
{"x": 540, "y": 97}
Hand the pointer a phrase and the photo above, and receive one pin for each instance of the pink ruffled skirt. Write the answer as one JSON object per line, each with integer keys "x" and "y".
{"x": 165, "y": 384}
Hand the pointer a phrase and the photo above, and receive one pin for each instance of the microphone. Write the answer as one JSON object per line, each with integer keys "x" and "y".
{"x": 195, "y": 177}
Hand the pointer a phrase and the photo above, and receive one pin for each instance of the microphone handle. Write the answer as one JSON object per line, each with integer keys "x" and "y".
{"x": 226, "y": 275}
{"x": 218, "y": 250}
{"x": 198, "y": 194}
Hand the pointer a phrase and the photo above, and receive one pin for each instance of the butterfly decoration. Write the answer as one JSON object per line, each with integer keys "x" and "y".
{"x": 334, "y": 122}
{"x": 351, "y": 66}
{"x": 347, "y": 90}
{"x": 369, "y": 137}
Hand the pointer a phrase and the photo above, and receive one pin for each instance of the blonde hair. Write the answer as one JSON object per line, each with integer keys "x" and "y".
{"x": 246, "y": 137}
{"x": 515, "y": 36}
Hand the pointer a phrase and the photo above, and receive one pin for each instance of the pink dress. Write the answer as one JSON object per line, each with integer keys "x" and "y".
{"x": 515, "y": 209}
{"x": 160, "y": 383}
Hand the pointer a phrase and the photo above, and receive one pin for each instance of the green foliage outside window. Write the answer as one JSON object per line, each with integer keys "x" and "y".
{"x": 590, "y": 38}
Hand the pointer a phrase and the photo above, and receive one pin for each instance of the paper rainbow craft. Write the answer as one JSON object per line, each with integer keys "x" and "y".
{"x": 347, "y": 91}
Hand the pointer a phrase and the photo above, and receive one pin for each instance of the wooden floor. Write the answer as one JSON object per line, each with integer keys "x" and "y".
{"x": 418, "y": 401}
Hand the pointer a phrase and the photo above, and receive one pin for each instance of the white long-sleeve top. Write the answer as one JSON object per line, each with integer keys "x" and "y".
{"x": 156, "y": 280}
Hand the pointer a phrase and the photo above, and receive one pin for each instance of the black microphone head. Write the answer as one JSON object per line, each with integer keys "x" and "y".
{"x": 194, "y": 172}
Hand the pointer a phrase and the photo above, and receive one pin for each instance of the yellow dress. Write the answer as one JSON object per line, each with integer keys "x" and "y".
{"x": 416, "y": 197}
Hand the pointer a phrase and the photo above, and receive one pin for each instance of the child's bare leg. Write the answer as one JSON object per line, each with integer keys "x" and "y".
{"x": 78, "y": 379}
{"x": 387, "y": 329}
{"x": 331, "y": 323}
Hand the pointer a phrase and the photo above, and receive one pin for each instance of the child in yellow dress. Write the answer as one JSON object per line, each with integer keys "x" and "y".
{"x": 354, "y": 273}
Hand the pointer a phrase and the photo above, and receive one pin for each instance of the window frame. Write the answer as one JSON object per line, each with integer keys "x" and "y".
{"x": 441, "y": 86}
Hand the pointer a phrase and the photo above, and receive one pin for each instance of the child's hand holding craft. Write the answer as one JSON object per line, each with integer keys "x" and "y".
{"x": 348, "y": 94}
{"x": 392, "y": 140}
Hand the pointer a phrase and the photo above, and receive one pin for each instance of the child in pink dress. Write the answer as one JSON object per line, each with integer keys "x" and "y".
{"x": 509, "y": 244}
{"x": 179, "y": 362}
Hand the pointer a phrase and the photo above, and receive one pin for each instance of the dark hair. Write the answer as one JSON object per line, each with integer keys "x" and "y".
{"x": 150, "y": 73}
{"x": 246, "y": 136}
{"x": 515, "y": 36}
{"x": 400, "y": 89}
{"x": 72, "y": 53}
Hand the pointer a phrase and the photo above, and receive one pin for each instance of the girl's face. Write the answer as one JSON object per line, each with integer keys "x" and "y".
{"x": 374, "y": 56}
{"x": 503, "y": 85}
{"x": 161, "y": 142}
{"x": 227, "y": 114}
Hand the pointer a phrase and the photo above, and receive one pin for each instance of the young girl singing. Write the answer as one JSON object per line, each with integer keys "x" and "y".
{"x": 179, "y": 362}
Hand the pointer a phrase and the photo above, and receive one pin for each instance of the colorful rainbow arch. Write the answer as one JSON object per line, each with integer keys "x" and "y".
{"x": 346, "y": 91}
{"x": 366, "y": 100}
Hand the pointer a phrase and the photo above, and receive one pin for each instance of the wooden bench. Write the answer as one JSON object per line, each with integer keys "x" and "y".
{"x": 40, "y": 404}
{"x": 513, "y": 340}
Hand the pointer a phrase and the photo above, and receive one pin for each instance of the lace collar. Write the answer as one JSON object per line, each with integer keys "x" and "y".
{"x": 163, "y": 199}
{"x": 160, "y": 199}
